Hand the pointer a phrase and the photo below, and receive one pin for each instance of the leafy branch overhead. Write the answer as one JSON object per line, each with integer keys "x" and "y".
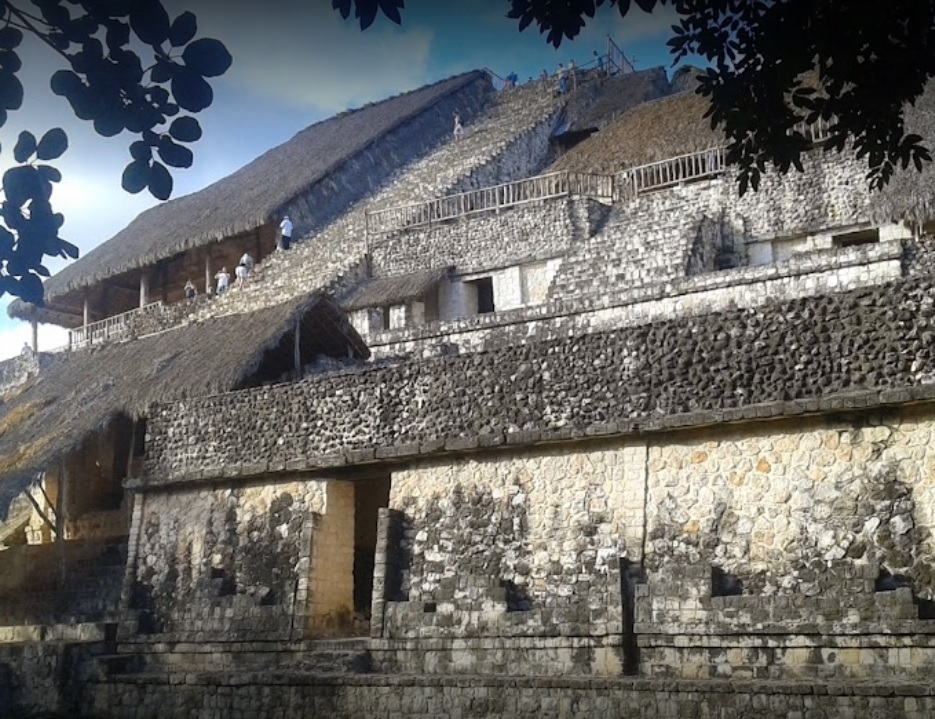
{"x": 775, "y": 65}
{"x": 126, "y": 66}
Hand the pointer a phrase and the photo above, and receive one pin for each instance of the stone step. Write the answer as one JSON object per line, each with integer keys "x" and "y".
{"x": 318, "y": 261}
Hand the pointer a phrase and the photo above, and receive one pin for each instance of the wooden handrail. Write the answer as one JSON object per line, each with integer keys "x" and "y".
{"x": 108, "y": 328}
{"x": 672, "y": 171}
{"x": 487, "y": 199}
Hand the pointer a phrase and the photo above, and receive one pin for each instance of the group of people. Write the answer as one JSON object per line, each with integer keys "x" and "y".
{"x": 223, "y": 278}
{"x": 244, "y": 268}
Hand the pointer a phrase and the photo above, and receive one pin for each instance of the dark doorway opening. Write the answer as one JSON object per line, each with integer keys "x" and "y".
{"x": 369, "y": 496}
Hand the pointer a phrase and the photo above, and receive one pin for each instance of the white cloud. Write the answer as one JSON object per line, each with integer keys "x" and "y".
{"x": 14, "y": 336}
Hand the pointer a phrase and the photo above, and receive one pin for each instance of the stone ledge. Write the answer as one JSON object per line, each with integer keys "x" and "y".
{"x": 895, "y": 688}
{"x": 848, "y": 401}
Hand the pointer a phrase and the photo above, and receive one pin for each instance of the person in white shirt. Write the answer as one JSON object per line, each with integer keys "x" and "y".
{"x": 285, "y": 229}
{"x": 223, "y": 277}
{"x": 248, "y": 262}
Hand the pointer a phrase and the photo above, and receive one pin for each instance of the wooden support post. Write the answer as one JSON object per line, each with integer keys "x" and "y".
{"x": 60, "y": 521}
{"x": 208, "y": 272}
{"x": 144, "y": 289}
{"x": 35, "y": 335}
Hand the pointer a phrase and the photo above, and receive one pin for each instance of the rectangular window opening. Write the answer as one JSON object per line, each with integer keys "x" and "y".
{"x": 485, "y": 303}
{"x": 852, "y": 239}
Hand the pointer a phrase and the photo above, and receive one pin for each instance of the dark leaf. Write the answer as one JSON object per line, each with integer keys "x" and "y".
{"x": 66, "y": 249}
{"x": 140, "y": 150}
{"x": 162, "y": 70}
{"x": 21, "y": 184}
{"x": 192, "y": 92}
{"x": 150, "y": 21}
{"x": 135, "y": 176}
{"x": 52, "y": 145}
{"x": 173, "y": 154}
{"x": 30, "y": 290}
{"x": 118, "y": 35}
{"x": 185, "y": 129}
{"x": 47, "y": 173}
{"x": 11, "y": 91}
{"x": 10, "y": 37}
{"x": 183, "y": 29}
{"x": 207, "y": 57}
{"x": 25, "y": 146}
{"x": 343, "y": 7}
{"x": 64, "y": 82}
{"x": 160, "y": 182}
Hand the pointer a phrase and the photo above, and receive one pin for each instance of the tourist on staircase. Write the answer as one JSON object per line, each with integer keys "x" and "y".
{"x": 285, "y": 231}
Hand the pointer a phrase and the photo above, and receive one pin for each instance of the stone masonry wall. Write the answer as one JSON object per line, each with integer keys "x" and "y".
{"x": 225, "y": 563}
{"x": 713, "y": 368}
{"x": 799, "y": 276}
{"x": 538, "y": 534}
{"x": 48, "y": 674}
{"x": 18, "y": 369}
{"x": 526, "y": 233}
{"x": 650, "y": 239}
{"x": 291, "y": 696}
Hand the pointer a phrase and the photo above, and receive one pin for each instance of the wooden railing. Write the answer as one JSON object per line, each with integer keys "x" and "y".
{"x": 817, "y": 131}
{"x": 110, "y": 328}
{"x": 489, "y": 199}
{"x": 666, "y": 173}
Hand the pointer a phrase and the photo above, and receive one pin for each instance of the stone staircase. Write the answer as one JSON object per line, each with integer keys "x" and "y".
{"x": 335, "y": 256}
{"x": 321, "y": 657}
{"x": 642, "y": 243}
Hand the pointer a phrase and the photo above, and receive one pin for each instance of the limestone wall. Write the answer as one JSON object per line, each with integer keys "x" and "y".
{"x": 290, "y": 696}
{"x": 48, "y": 672}
{"x": 526, "y": 233}
{"x": 799, "y": 276}
{"x": 538, "y": 533}
{"x": 785, "y": 357}
{"x": 18, "y": 369}
{"x": 225, "y": 563}
{"x": 650, "y": 239}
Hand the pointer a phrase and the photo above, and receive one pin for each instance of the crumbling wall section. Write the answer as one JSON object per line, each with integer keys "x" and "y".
{"x": 225, "y": 563}
{"x": 649, "y": 239}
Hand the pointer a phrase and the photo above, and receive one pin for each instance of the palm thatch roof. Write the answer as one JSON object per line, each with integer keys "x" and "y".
{"x": 249, "y": 197}
{"x": 79, "y": 393}
{"x": 650, "y": 132}
{"x": 386, "y": 291}
{"x": 614, "y": 96}
{"x": 910, "y": 194}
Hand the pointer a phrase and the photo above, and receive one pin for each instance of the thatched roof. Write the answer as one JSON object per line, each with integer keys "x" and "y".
{"x": 386, "y": 291}
{"x": 614, "y": 96}
{"x": 249, "y": 197}
{"x": 910, "y": 194}
{"x": 79, "y": 393}
{"x": 654, "y": 131}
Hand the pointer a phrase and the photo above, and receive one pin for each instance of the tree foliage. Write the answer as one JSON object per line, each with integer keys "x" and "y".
{"x": 126, "y": 66}
{"x": 775, "y": 65}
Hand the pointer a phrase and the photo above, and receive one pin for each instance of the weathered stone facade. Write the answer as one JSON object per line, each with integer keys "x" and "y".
{"x": 679, "y": 466}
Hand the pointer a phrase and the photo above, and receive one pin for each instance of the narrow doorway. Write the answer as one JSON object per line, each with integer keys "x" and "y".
{"x": 369, "y": 496}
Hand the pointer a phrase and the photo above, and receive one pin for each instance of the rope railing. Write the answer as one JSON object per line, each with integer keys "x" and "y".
{"x": 489, "y": 199}
{"x": 110, "y": 328}
{"x": 666, "y": 173}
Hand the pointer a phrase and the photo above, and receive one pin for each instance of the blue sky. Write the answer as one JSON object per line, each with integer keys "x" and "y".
{"x": 295, "y": 63}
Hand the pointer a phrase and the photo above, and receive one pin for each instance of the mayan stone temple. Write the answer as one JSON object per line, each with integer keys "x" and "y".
{"x": 543, "y": 421}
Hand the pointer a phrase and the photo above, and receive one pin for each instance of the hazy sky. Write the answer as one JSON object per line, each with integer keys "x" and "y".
{"x": 294, "y": 63}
